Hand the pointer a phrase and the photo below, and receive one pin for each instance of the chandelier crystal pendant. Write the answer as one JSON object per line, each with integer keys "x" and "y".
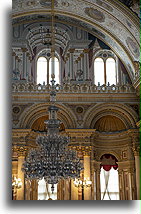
{"x": 52, "y": 160}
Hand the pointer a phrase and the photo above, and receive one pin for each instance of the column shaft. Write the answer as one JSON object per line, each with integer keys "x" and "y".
{"x": 87, "y": 174}
{"x": 20, "y": 192}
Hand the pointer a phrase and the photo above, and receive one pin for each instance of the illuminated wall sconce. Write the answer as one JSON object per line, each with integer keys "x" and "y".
{"x": 79, "y": 183}
{"x": 16, "y": 184}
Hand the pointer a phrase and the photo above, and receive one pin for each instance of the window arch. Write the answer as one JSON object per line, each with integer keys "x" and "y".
{"x": 42, "y": 70}
{"x": 99, "y": 71}
{"x": 105, "y": 70}
{"x": 45, "y": 67}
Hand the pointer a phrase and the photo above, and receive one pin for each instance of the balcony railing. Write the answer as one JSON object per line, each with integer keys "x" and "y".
{"x": 71, "y": 88}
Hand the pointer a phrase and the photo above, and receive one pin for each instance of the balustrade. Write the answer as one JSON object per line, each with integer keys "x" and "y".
{"x": 72, "y": 88}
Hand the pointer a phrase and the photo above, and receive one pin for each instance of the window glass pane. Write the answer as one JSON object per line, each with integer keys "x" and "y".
{"x": 110, "y": 71}
{"x": 99, "y": 71}
{"x": 41, "y": 70}
{"x": 43, "y": 194}
{"x": 56, "y": 69}
{"x": 109, "y": 178}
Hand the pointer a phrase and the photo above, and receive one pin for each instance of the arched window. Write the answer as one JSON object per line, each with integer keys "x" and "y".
{"x": 99, "y": 71}
{"x": 45, "y": 67}
{"x": 110, "y": 71}
{"x": 105, "y": 71}
{"x": 54, "y": 66}
{"x": 109, "y": 178}
{"x": 41, "y": 70}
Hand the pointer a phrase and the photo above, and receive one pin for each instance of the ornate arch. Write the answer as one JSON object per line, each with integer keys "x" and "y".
{"x": 36, "y": 111}
{"x": 125, "y": 113}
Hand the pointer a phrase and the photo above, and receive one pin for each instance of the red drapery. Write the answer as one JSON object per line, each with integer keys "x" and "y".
{"x": 107, "y": 167}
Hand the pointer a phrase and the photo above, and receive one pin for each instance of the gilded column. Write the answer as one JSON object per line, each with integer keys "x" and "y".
{"x": 67, "y": 189}
{"x": 136, "y": 150}
{"x": 121, "y": 184}
{"x": 74, "y": 191}
{"x": 21, "y": 158}
{"x": 27, "y": 189}
{"x": 87, "y": 175}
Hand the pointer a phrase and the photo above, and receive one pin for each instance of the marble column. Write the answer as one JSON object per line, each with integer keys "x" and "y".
{"x": 86, "y": 64}
{"x": 14, "y": 61}
{"x": 29, "y": 69}
{"x": 71, "y": 63}
{"x": 48, "y": 72}
{"x": 24, "y": 50}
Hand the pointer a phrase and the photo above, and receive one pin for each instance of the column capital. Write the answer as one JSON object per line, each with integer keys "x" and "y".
{"x": 71, "y": 50}
{"x": 17, "y": 57}
{"x": 21, "y": 151}
{"x": 24, "y": 50}
{"x": 79, "y": 58}
{"x": 28, "y": 54}
{"x": 86, "y": 50}
{"x": 81, "y": 55}
{"x": 13, "y": 54}
{"x": 84, "y": 150}
{"x": 136, "y": 148}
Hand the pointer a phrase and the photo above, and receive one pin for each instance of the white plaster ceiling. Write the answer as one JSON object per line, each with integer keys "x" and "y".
{"x": 110, "y": 20}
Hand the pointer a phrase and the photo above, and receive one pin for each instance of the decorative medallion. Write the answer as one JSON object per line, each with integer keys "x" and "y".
{"x": 47, "y": 3}
{"x": 79, "y": 110}
{"x": 95, "y": 14}
{"x": 16, "y": 109}
{"x": 133, "y": 47}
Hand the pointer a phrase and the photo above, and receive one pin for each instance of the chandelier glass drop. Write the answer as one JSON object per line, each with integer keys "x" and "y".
{"x": 52, "y": 160}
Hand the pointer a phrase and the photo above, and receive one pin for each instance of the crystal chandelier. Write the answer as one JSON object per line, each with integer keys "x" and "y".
{"x": 53, "y": 160}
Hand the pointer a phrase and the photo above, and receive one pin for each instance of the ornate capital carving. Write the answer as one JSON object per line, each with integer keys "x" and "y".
{"x": 136, "y": 148}
{"x": 71, "y": 50}
{"x": 21, "y": 151}
{"x": 86, "y": 50}
{"x": 81, "y": 55}
{"x": 84, "y": 150}
{"x": 24, "y": 50}
{"x": 13, "y": 54}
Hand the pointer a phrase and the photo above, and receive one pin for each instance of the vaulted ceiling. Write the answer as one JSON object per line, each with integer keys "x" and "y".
{"x": 110, "y": 21}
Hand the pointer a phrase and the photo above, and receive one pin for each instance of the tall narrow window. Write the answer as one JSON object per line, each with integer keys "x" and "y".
{"x": 110, "y": 71}
{"x": 109, "y": 178}
{"x": 54, "y": 64}
{"x": 41, "y": 70}
{"x": 99, "y": 71}
{"x": 44, "y": 191}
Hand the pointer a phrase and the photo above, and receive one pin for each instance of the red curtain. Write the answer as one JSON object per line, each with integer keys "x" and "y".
{"x": 107, "y": 167}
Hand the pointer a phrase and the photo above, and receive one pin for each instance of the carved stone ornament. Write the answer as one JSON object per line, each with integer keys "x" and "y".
{"x": 47, "y": 3}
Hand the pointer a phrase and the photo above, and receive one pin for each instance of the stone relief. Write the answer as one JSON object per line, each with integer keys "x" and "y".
{"x": 47, "y": 3}
{"x": 133, "y": 47}
{"x": 104, "y": 5}
{"x": 95, "y": 14}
